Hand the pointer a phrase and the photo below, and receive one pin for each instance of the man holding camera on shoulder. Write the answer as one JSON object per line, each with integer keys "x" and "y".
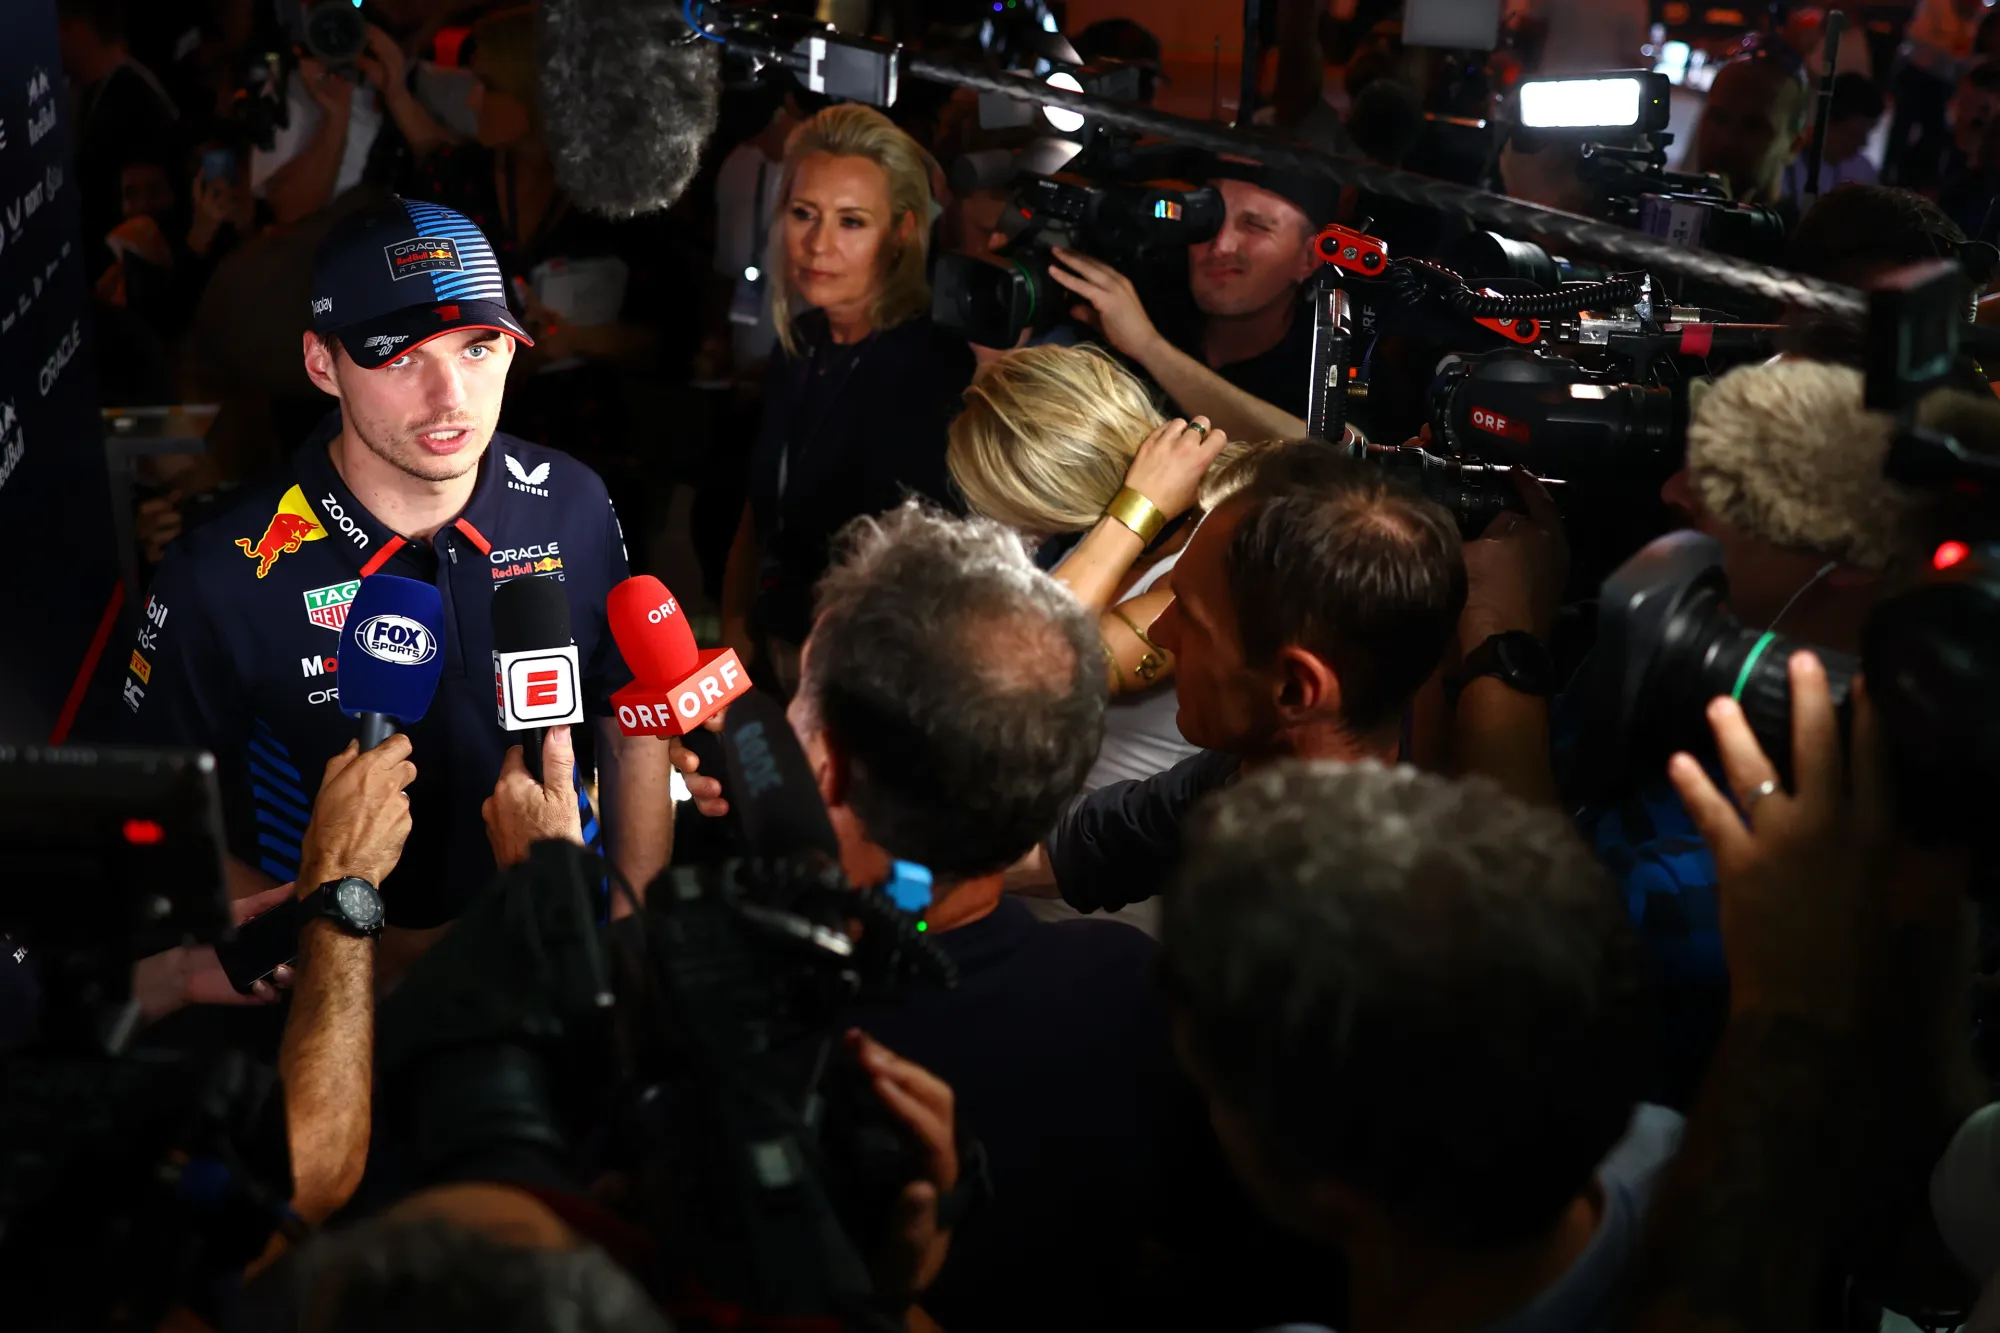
{"x": 1244, "y": 358}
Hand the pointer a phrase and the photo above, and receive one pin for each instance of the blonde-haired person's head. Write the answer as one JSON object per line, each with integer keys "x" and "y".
{"x": 1046, "y": 436}
{"x": 897, "y": 288}
{"x": 1785, "y": 453}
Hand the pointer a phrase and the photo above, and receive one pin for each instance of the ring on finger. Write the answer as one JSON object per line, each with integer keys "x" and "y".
{"x": 1758, "y": 793}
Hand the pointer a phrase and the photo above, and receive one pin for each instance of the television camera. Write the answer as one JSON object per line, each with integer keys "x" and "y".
{"x": 1670, "y": 643}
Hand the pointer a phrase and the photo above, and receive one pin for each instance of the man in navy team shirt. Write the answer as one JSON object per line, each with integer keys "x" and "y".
{"x": 236, "y": 652}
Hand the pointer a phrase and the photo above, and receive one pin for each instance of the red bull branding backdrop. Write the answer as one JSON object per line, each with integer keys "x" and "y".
{"x": 62, "y": 580}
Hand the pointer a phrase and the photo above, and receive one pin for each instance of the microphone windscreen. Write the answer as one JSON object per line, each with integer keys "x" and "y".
{"x": 391, "y": 648}
{"x": 627, "y": 102}
{"x": 531, "y": 612}
{"x": 651, "y": 631}
{"x": 769, "y": 783}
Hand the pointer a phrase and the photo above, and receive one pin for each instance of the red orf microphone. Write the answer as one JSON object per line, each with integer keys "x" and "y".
{"x": 675, "y": 687}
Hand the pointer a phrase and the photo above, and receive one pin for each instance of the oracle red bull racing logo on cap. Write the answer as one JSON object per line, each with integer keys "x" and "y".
{"x": 291, "y": 527}
{"x": 425, "y": 254}
{"x": 397, "y": 639}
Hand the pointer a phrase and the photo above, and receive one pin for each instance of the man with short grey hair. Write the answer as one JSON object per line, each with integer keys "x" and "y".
{"x": 951, "y": 700}
{"x": 1413, "y": 1006}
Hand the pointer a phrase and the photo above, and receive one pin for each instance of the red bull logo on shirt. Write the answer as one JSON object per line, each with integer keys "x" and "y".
{"x": 291, "y": 527}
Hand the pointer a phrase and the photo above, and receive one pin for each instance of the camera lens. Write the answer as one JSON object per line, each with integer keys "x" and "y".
{"x": 1667, "y": 645}
{"x": 335, "y": 31}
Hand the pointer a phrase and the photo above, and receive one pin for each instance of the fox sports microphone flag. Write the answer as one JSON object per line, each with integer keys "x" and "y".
{"x": 391, "y": 654}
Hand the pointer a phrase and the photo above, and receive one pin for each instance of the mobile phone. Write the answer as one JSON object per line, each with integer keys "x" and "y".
{"x": 218, "y": 164}
{"x": 263, "y": 944}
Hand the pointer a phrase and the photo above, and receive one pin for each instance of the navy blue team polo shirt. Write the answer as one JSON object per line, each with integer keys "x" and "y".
{"x": 237, "y": 646}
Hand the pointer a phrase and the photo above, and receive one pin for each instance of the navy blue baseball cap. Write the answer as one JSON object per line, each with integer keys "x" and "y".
{"x": 392, "y": 277}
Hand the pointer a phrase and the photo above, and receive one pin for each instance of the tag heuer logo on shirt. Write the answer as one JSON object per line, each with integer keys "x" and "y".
{"x": 327, "y": 607}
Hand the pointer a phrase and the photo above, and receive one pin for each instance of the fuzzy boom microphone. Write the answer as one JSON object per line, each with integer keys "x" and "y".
{"x": 628, "y": 100}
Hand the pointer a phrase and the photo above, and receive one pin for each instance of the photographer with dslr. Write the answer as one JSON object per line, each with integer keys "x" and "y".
{"x": 1248, "y": 325}
{"x": 1348, "y": 950}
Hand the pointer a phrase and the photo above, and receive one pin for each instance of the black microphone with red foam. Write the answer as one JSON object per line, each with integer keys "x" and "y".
{"x": 537, "y": 683}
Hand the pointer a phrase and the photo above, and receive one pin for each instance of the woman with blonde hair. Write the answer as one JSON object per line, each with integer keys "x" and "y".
{"x": 862, "y": 384}
{"x": 1057, "y": 441}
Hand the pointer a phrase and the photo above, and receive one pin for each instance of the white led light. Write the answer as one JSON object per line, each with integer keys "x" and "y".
{"x": 1064, "y": 120}
{"x": 1587, "y": 391}
{"x": 1570, "y": 104}
{"x": 1049, "y": 23}
{"x": 752, "y": 273}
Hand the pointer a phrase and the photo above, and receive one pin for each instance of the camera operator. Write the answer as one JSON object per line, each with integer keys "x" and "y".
{"x": 950, "y": 701}
{"x": 1752, "y": 125}
{"x": 1311, "y": 605}
{"x": 1249, "y": 326}
{"x": 1348, "y": 950}
{"x": 1784, "y": 469}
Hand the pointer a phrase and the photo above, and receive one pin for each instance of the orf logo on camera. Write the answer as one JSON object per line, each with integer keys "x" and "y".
{"x": 396, "y": 639}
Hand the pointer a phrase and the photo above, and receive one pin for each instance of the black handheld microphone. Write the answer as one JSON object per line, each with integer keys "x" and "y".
{"x": 536, "y": 680}
{"x": 629, "y": 97}
{"x": 770, "y": 785}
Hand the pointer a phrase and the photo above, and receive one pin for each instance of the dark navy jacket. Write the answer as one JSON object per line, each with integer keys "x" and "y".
{"x": 237, "y": 647}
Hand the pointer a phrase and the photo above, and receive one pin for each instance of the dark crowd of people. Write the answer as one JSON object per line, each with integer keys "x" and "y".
{"x": 1302, "y": 980}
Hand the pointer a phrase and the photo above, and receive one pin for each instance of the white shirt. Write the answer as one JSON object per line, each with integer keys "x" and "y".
{"x": 364, "y": 122}
{"x": 1141, "y": 736}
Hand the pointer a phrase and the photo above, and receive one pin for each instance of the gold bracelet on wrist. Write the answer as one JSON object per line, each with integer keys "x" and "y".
{"x": 1136, "y": 512}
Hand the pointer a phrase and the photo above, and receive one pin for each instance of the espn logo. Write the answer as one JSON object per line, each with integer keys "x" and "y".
{"x": 538, "y": 687}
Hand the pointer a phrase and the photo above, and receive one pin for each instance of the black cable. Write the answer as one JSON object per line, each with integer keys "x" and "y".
{"x": 1412, "y": 279}
{"x": 1577, "y": 233}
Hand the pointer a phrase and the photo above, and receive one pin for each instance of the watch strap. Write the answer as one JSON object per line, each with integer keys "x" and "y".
{"x": 1516, "y": 658}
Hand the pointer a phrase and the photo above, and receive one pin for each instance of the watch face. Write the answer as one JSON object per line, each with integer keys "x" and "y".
{"x": 357, "y": 902}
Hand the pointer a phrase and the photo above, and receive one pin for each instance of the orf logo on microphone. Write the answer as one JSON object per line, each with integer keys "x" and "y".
{"x": 396, "y": 639}
{"x": 537, "y": 687}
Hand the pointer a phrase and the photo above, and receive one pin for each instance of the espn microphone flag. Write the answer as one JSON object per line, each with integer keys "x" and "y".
{"x": 536, "y": 680}
{"x": 391, "y": 654}
{"x": 675, "y": 687}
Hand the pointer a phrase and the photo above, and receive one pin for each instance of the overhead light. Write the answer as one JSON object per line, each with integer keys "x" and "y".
{"x": 1062, "y": 119}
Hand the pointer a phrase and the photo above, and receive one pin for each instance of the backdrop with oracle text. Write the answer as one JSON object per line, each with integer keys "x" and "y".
{"x": 62, "y": 579}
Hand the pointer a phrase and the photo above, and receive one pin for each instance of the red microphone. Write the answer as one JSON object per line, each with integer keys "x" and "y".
{"x": 675, "y": 687}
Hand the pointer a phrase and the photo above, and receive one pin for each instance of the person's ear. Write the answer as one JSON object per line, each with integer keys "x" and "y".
{"x": 1305, "y": 684}
{"x": 319, "y": 364}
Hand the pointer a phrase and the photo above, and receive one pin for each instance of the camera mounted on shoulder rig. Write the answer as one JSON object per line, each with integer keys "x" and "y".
{"x": 1582, "y": 379}
{"x": 1670, "y": 642}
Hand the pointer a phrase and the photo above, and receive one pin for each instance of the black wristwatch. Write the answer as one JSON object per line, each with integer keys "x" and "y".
{"x": 351, "y": 904}
{"x": 1517, "y": 658}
